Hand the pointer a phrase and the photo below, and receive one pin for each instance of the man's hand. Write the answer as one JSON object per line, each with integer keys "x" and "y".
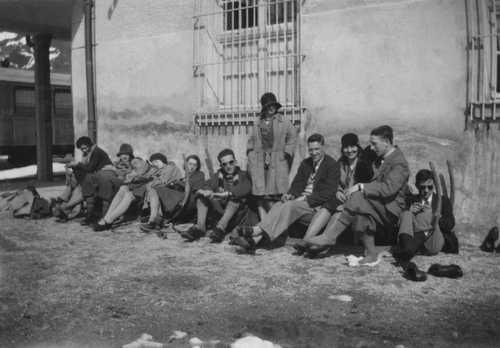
{"x": 351, "y": 190}
{"x": 205, "y": 193}
{"x": 415, "y": 208}
{"x": 426, "y": 208}
{"x": 219, "y": 195}
{"x": 287, "y": 197}
{"x": 341, "y": 196}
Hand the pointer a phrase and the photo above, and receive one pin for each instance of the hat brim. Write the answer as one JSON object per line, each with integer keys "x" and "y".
{"x": 265, "y": 106}
{"x": 124, "y": 153}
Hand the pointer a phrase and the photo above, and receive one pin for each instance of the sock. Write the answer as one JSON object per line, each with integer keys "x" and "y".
{"x": 231, "y": 209}
{"x": 90, "y": 205}
{"x": 202, "y": 208}
{"x": 105, "y": 208}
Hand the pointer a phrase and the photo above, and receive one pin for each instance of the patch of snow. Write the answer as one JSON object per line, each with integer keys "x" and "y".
{"x": 146, "y": 341}
{"x": 178, "y": 334}
{"x": 253, "y": 342}
{"x": 24, "y": 172}
{"x": 343, "y": 298}
{"x": 5, "y": 35}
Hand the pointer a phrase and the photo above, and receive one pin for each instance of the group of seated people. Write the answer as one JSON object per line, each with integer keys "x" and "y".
{"x": 366, "y": 191}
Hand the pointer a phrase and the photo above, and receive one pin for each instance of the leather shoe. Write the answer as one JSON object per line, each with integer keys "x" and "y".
{"x": 99, "y": 228}
{"x": 89, "y": 219}
{"x": 247, "y": 244}
{"x": 217, "y": 235}
{"x": 413, "y": 273}
{"x": 244, "y": 231}
{"x": 301, "y": 247}
{"x": 488, "y": 244}
{"x": 149, "y": 227}
{"x": 449, "y": 271}
{"x": 192, "y": 234}
{"x": 315, "y": 251}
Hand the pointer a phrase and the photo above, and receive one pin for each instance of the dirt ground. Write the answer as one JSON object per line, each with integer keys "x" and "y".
{"x": 63, "y": 285}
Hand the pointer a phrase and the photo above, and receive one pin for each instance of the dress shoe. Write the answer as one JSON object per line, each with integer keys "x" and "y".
{"x": 315, "y": 251}
{"x": 149, "y": 227}
{"x": 301, "y": 247}
{"x": 217, "y": 235}
{"x": 59, "y": 213}
{"x": 192, "y": 234}
{"x": 449, "y": 271}
{"x": 244, "y": 231}
{"x": 488, "y": 244}
{"x": 99, "y": 228}
{"x": 247, "y": 244}
{"x": 413, "y": 273}
{"x": 89, "y": 219}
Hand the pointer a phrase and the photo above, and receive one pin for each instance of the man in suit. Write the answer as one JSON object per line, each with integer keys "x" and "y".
{"x": 379, "y": 202}
{"x": 314, "y": 184}
{"x": 415, "y": 222}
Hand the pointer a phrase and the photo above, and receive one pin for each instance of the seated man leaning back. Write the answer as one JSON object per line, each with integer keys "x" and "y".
{"x": 314, "y": 185}
{"x": 224, "y": 196}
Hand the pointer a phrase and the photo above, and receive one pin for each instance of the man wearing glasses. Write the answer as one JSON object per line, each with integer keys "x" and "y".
{"x": 415, "y": 222}
{"x": 224, "y": 194}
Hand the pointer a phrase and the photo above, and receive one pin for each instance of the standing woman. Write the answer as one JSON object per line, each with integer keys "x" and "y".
{"x": 270, "y": 151}
{"x": 330, "y": 212}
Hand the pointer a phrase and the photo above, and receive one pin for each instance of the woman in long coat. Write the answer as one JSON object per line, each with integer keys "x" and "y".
{"x": 270, "y": 151}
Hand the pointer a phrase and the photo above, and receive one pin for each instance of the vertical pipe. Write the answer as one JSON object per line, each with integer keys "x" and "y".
{"x": 89, "y": 71}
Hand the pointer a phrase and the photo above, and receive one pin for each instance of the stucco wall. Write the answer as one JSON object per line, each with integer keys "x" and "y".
{"x": 367, "y": 63}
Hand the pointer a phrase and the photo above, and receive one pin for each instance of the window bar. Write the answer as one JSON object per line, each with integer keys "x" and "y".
{"x": 293, "y": 89}
{"x": 279, "y": 60}
{"x": 238, "y": 65}
{"x": 472, "y": 64}
{"x": 494, "y": 56}
{"x": 484, "y": 79}
{"x": 299, "y": 58}
{"x": 285, "y": 47}
{"x": 221, "y": 92}
{"x": 195, "y": 90}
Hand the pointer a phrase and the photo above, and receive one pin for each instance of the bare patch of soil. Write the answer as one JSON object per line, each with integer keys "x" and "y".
{"x": 63, "y": 285}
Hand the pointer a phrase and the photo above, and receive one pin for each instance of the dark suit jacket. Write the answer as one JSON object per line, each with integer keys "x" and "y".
{"x": 242, "y": 189}
{"x": 389, "y": 182}
{"x": 98, "y": 159}
{"x": 446, "y": 220}
{"x": 326, "y": 181}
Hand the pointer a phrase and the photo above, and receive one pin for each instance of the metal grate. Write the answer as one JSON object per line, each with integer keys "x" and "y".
{"x": 243, "y": 49}
{"x": 483, "y": 89}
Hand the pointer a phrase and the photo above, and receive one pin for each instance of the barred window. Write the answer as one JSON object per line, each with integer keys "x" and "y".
{"x": 243, "y": 49}
{"x": 63, "y": 104}
{"x": 24, "y": 100}
{"x": 483, "y": 17}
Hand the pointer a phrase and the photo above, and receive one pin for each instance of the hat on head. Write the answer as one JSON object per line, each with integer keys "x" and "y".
{"x": 126, "y": 149}
{"x": 350, "y": 139}
{"x": 158, "y": 156}
{"x": 267, "y": 100}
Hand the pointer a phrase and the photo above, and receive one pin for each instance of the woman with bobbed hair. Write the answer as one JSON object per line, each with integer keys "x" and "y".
{"x": 164, "y": 200}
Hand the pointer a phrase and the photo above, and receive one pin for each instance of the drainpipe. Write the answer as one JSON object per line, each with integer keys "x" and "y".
{"x": 89, "y": 71}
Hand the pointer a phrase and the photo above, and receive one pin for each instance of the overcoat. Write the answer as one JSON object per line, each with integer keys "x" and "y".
{"x": 285, "y": 139}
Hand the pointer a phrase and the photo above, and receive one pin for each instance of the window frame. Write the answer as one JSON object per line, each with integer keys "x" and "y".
{"x": 243, "y": 110}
